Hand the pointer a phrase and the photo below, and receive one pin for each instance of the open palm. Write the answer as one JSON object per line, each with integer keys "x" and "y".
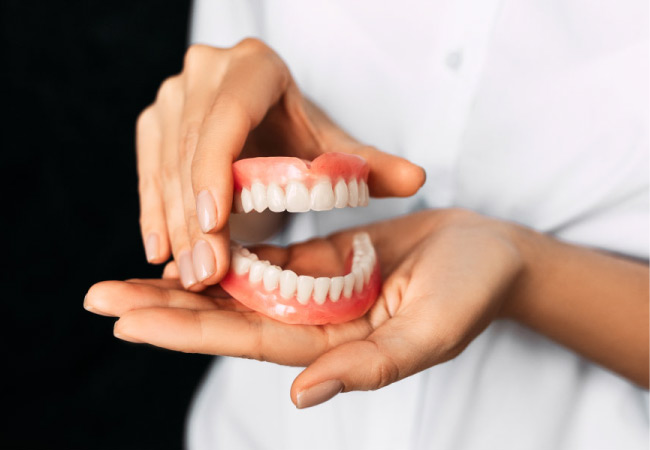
{"x": 444, "y": 280}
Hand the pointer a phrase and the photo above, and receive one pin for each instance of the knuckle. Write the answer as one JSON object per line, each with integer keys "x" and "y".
{"x": 195, "y": 56}
{"x": 169, "y": 89}
{"x": 168, "y": 173}
{"x": 190, "y": 132}
{"x": 384, "y": 370}
{"x": 148, "y": 184}
{"x": 145, "y": 119}
{"x": 251, "y": 45}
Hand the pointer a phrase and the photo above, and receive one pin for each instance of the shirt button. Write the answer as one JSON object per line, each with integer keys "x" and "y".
{"x": 454, "y": 60}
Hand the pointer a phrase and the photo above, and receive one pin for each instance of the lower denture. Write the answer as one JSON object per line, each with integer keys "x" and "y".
{"x": 292, "y": 298}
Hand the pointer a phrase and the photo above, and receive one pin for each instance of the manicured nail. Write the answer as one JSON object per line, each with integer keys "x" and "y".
{"x": 90, "y": 308}
{"x": 203, "y": 259}
{"x": 127, "y": 338}
{"x": 151, "y": 247}
{"x": 185, "y": 268}
{"x": 319, "y": 393}
{"x": 206, "y": 210}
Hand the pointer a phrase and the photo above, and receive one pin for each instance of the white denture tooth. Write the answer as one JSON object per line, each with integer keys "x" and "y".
{"x": 288, "y": 282}
{"x": 362, "y": 243}
{"x": 236, "y": 203}
{"x": 252, "y": 256}
{"x": 363, "y": 193}
{"x": 258, "y": 192}
{"x": 336, "y": 287}
{"x": 240, "y": 264}
{"x": 341, "y": 194}
{"x": 244, "y": 251}
{"x": 348, "y": 285}
{"x": 257, "y": 271}
{"x": 305, "y": 286}
{"x": 366, "y": 268}
{"x": 297, "y": 197}
{"x": 358, "y": 279}
{"x": 246, "y": 200}
{"x": 322, "y": 196}
{"x": 321, "y": 288}
{"x": 271, "y": 278}
{"x": 275, "y": 198}
{"x": 353, "y": 193}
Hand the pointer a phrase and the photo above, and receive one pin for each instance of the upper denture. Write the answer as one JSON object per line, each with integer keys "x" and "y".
{"x": 333, "y": 180}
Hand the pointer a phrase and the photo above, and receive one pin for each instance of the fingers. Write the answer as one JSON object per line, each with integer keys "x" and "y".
{"x": 255, "y": 80}
{"x": 170, "y": 272}
{"x": 390, "y": 175}
{"x": 393, "y": 352}
{"x": 152, "y": 212}
{"x": 224, "y": 333}
{"x": 115, "y": 298}
{"x": 229, "y": 333}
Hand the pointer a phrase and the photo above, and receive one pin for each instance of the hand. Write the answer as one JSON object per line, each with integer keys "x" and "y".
{"x": 225, "y": 104}
{"x": 446, "y": 278}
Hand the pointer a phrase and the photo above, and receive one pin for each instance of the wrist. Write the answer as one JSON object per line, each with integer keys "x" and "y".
{"x": 529, "y": 245}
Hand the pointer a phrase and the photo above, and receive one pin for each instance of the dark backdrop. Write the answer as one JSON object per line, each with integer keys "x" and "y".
{"x": 76, "y": 74}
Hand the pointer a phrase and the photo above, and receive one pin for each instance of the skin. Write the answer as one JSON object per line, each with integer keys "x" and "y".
{"x": 226, "y": 104}
{"x": 451, "y": 273}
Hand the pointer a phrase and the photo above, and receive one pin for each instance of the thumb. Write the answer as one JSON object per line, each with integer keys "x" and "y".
{"x": 391, "y": 353}
{"x": 390, "y": 175}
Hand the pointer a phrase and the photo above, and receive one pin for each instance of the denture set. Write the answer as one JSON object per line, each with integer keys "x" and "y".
{"x": 332, "y": 180}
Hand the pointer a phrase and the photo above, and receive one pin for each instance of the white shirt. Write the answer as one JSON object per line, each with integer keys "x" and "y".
{"x": 531, "y": 111}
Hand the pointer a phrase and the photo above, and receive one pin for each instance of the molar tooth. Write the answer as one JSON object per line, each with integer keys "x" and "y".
{"x": 322, "y": 196}
{"x": 353, "y": 193}
{"x": 348, "y": 285}
{"x": 246, "y": 200}
{"x": 244, "y": 251}
{"x": 297, "y": 197}
{"x": 288, "y": 281}
{"x": 258, "y": 192}
{"x": 271, "y": 277}
{"x": 336, "y": 287}
{"x": 275, "y": 198}
{"x": 321, "y": 288}
{"x": 341, "y": 194}
{"x": 240, "y": 264}
{"x": 358, "y": 278}
{"x": 305, "y": 287}
{"x": 257, "y": 271}
{"x": 363, "y": 193}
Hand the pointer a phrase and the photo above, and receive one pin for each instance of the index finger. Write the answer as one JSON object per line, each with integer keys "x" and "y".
{"x": 255, "y": 80}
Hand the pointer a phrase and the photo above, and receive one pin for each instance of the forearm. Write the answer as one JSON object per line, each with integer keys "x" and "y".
{"x": 592, "y": 302}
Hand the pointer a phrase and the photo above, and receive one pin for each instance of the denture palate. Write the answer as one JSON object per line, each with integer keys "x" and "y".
{"x": 306, "y": 288}
{"x": 296, "y": 197}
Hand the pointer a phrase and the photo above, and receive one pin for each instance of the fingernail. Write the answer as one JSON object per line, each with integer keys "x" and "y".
{"x": 203, "y": 259}
{"x": 90, "y": 308}
{"x": 319, "y": 393}
{"x": 151, "y": 247}
{"x": 185, "y": 268}
{"x": 206, "y": 210}
{"x": 127, "y": 338}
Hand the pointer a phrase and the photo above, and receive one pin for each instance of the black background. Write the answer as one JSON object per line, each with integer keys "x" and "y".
{"x": 76, "y": 74}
